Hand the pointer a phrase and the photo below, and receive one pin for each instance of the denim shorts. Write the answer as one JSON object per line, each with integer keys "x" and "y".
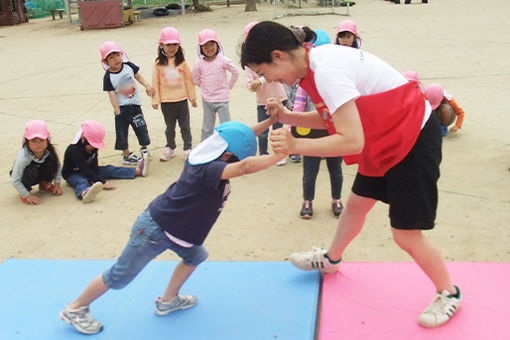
{"x": 147, "y": 241}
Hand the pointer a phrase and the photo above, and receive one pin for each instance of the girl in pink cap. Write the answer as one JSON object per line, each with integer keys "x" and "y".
{"x": 210, "y": 74}
{"x": 445, "y": 108}
{"x": 347, "y": 34}
{"x": 81, "y": 169}
{"x": 36, "y": 163}
{"x": 171, "y": 80}
{"x": 120, "y": 82}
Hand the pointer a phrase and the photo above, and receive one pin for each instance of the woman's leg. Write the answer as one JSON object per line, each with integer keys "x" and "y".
{"x": 350, "y": 224}
{"x": 426, "y": 255}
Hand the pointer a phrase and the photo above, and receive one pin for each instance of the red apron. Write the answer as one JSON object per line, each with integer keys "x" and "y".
{"x": 391, "y": 124}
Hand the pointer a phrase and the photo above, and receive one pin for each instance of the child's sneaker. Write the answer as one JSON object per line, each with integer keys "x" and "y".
{"x": 144, "y": 151}
{"x": 281, "y": 162}
{"x": 81, "y": 320}
{"x": 91, "y": 192}
{"x": 179, "y": 302}
{"x": 130, "y": 159}
{"x": 306, "y": 210}
{"x": 186, "y": 153}
{"x": 314, "y": 260}
{"x": 143, "y": 164}
{"x": 167, "y": 154}
{"x": 444, "y": 306}
{"x": 295, "y": 158}
{"x": 337, "y": 208}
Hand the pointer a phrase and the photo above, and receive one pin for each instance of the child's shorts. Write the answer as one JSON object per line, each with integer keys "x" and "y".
{"x": 410, "y": 187}
{"x": 147, "y": 241}
{"x": 130, "y": 115}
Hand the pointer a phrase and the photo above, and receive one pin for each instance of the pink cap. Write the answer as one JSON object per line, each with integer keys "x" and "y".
{"x": 109, "y": 47}
{"x": 248, "y": 27}
{"x": 94, "y": 133}
{"x": 435, "y": 94}
{"x": 207, "y": 35}
{"x": 411, "y": 75}
{"x": 169, "y": 35}
{"x": 36, "y": 129}
{"x": 347, "y": 26}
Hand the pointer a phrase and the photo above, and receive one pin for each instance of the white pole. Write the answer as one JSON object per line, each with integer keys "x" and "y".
{"x": 183, "y": 9}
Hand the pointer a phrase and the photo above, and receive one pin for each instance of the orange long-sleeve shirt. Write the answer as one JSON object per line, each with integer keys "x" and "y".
{"x": 458, "y": 111}
{"x": 172, "y": 84}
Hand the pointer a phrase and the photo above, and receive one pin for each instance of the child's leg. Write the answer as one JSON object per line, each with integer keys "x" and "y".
{"x": 335, "y": 176}
{"x": 170, "y": 116}
{"x": 208, "y": 119}
{"x": 311, "y": 167}
{"x": 94, "y": 290}
{"x": 139, "y": 125}
{"x": 184, "y": 123}
{"x": 181, "y": 273}
{"x": 261, "y": 116}
{"x": 426, "y": 256}
{"x": 223, "y": 112}
{"x": 79, "y": 183}
{"x": 117, "y": 172}
{"x": 121, "y": 131}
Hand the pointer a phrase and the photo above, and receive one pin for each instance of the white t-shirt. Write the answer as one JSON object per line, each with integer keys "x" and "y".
{"x": 345, "y": 73}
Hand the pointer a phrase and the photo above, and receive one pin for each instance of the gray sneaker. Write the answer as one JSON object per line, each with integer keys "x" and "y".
{"x": 130, "y": 159}
{"x": 179, "y": 302}
{"x": 81, "y": 320}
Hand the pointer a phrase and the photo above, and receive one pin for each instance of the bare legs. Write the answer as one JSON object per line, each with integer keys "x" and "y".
{"x": 181, "y": 273}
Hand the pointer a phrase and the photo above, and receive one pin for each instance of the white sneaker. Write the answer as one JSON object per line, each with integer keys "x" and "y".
{"x": 167, "y": 154}
{"x": 281, "y": 162}
{"x": 444, "y": 306}
{"x": 314, "y": 260}
{"x": 89, "y": 194}
{"x": 143, "y": 164}
{"x": 177, "y": 303}
{"x": 186, "y": 153}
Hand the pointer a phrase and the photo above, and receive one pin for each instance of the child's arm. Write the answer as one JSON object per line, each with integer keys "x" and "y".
{"x": 155, "y": 85}
{"x": 148, "y": 88}
{"x": 115, "y": 103}
{"x": 19, "y": 166}
{"x": 253, "y": 82}
{"x": 233, "y": 70}
{"x": 459, "y": 112}
{"x": 196, "y": 74}
{"x": 263, "y": 125}
{"x": 250, "y": 165}
{"x": 190, "y": 88}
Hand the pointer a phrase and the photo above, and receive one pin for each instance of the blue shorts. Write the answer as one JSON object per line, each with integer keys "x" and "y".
{"x": 146, "y": 242}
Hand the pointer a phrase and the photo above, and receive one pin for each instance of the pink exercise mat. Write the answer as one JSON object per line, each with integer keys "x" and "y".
{"x": 384, "y": 300}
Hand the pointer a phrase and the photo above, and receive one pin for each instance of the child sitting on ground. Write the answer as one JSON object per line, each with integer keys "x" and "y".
{"x": 36, "y": 163}
{"x": 81, "y": 169}
{"x": 180, "y": 220}
{"x": 445, "y": 107}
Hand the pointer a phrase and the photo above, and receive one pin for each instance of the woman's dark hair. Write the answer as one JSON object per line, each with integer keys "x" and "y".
{"x": 162, "y": 59}
{"x": 267, "y": 36}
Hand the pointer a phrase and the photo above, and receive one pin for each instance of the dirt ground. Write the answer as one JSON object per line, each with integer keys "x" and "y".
{"x": 50, "y": 70}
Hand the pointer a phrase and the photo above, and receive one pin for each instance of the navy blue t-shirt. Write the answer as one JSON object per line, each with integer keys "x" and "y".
{"x": 189, "y": 207}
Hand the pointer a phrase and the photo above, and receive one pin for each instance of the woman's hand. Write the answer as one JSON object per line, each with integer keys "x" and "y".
{"x": 282, "y": 141}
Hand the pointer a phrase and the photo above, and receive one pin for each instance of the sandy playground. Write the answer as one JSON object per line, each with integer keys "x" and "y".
{"x": 50, "y": 70}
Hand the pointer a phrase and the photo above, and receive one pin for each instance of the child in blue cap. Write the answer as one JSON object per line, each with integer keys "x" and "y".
{"x": 179, "y": 219}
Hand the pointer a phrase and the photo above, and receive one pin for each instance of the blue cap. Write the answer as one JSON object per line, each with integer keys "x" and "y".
{"x": 240, "y": 138}
{"x": 322, "y": 38}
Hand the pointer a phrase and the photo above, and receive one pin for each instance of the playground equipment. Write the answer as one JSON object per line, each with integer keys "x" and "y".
{"x": 12, "y": 12}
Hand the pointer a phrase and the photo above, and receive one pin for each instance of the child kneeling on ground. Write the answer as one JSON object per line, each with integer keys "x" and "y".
{"x": 179, "y": 219}
{"x": 81, "y": 169}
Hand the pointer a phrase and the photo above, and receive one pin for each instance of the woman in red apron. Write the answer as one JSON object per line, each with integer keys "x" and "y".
{"x": 376, "y": 119}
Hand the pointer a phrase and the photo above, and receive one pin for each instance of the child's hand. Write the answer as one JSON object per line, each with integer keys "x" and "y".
{"x": 274, "y": 107}
{"x": 282, "y": 141}
{"x": 155, "y": 106}
{"x": 108, "y": 185}
{"x": 255, "y": 85}
{"x": 33, "y": 200}
{"x": 454, "y": 128}
{"x": 150, "y": 90}
{"x": 57, "y": 190}
{"x": 194, "y": 103}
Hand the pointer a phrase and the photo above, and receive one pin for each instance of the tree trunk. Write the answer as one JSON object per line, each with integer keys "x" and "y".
{"x": 195, "y": 4}
{"x": 251, "y": 6}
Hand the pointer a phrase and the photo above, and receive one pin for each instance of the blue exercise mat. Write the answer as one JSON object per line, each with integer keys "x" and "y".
{"x": 236, "y": 300}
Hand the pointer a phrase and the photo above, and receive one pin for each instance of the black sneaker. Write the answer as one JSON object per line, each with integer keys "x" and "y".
{"x": 130, "y": 159}
{"x": 306, "y": 210}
